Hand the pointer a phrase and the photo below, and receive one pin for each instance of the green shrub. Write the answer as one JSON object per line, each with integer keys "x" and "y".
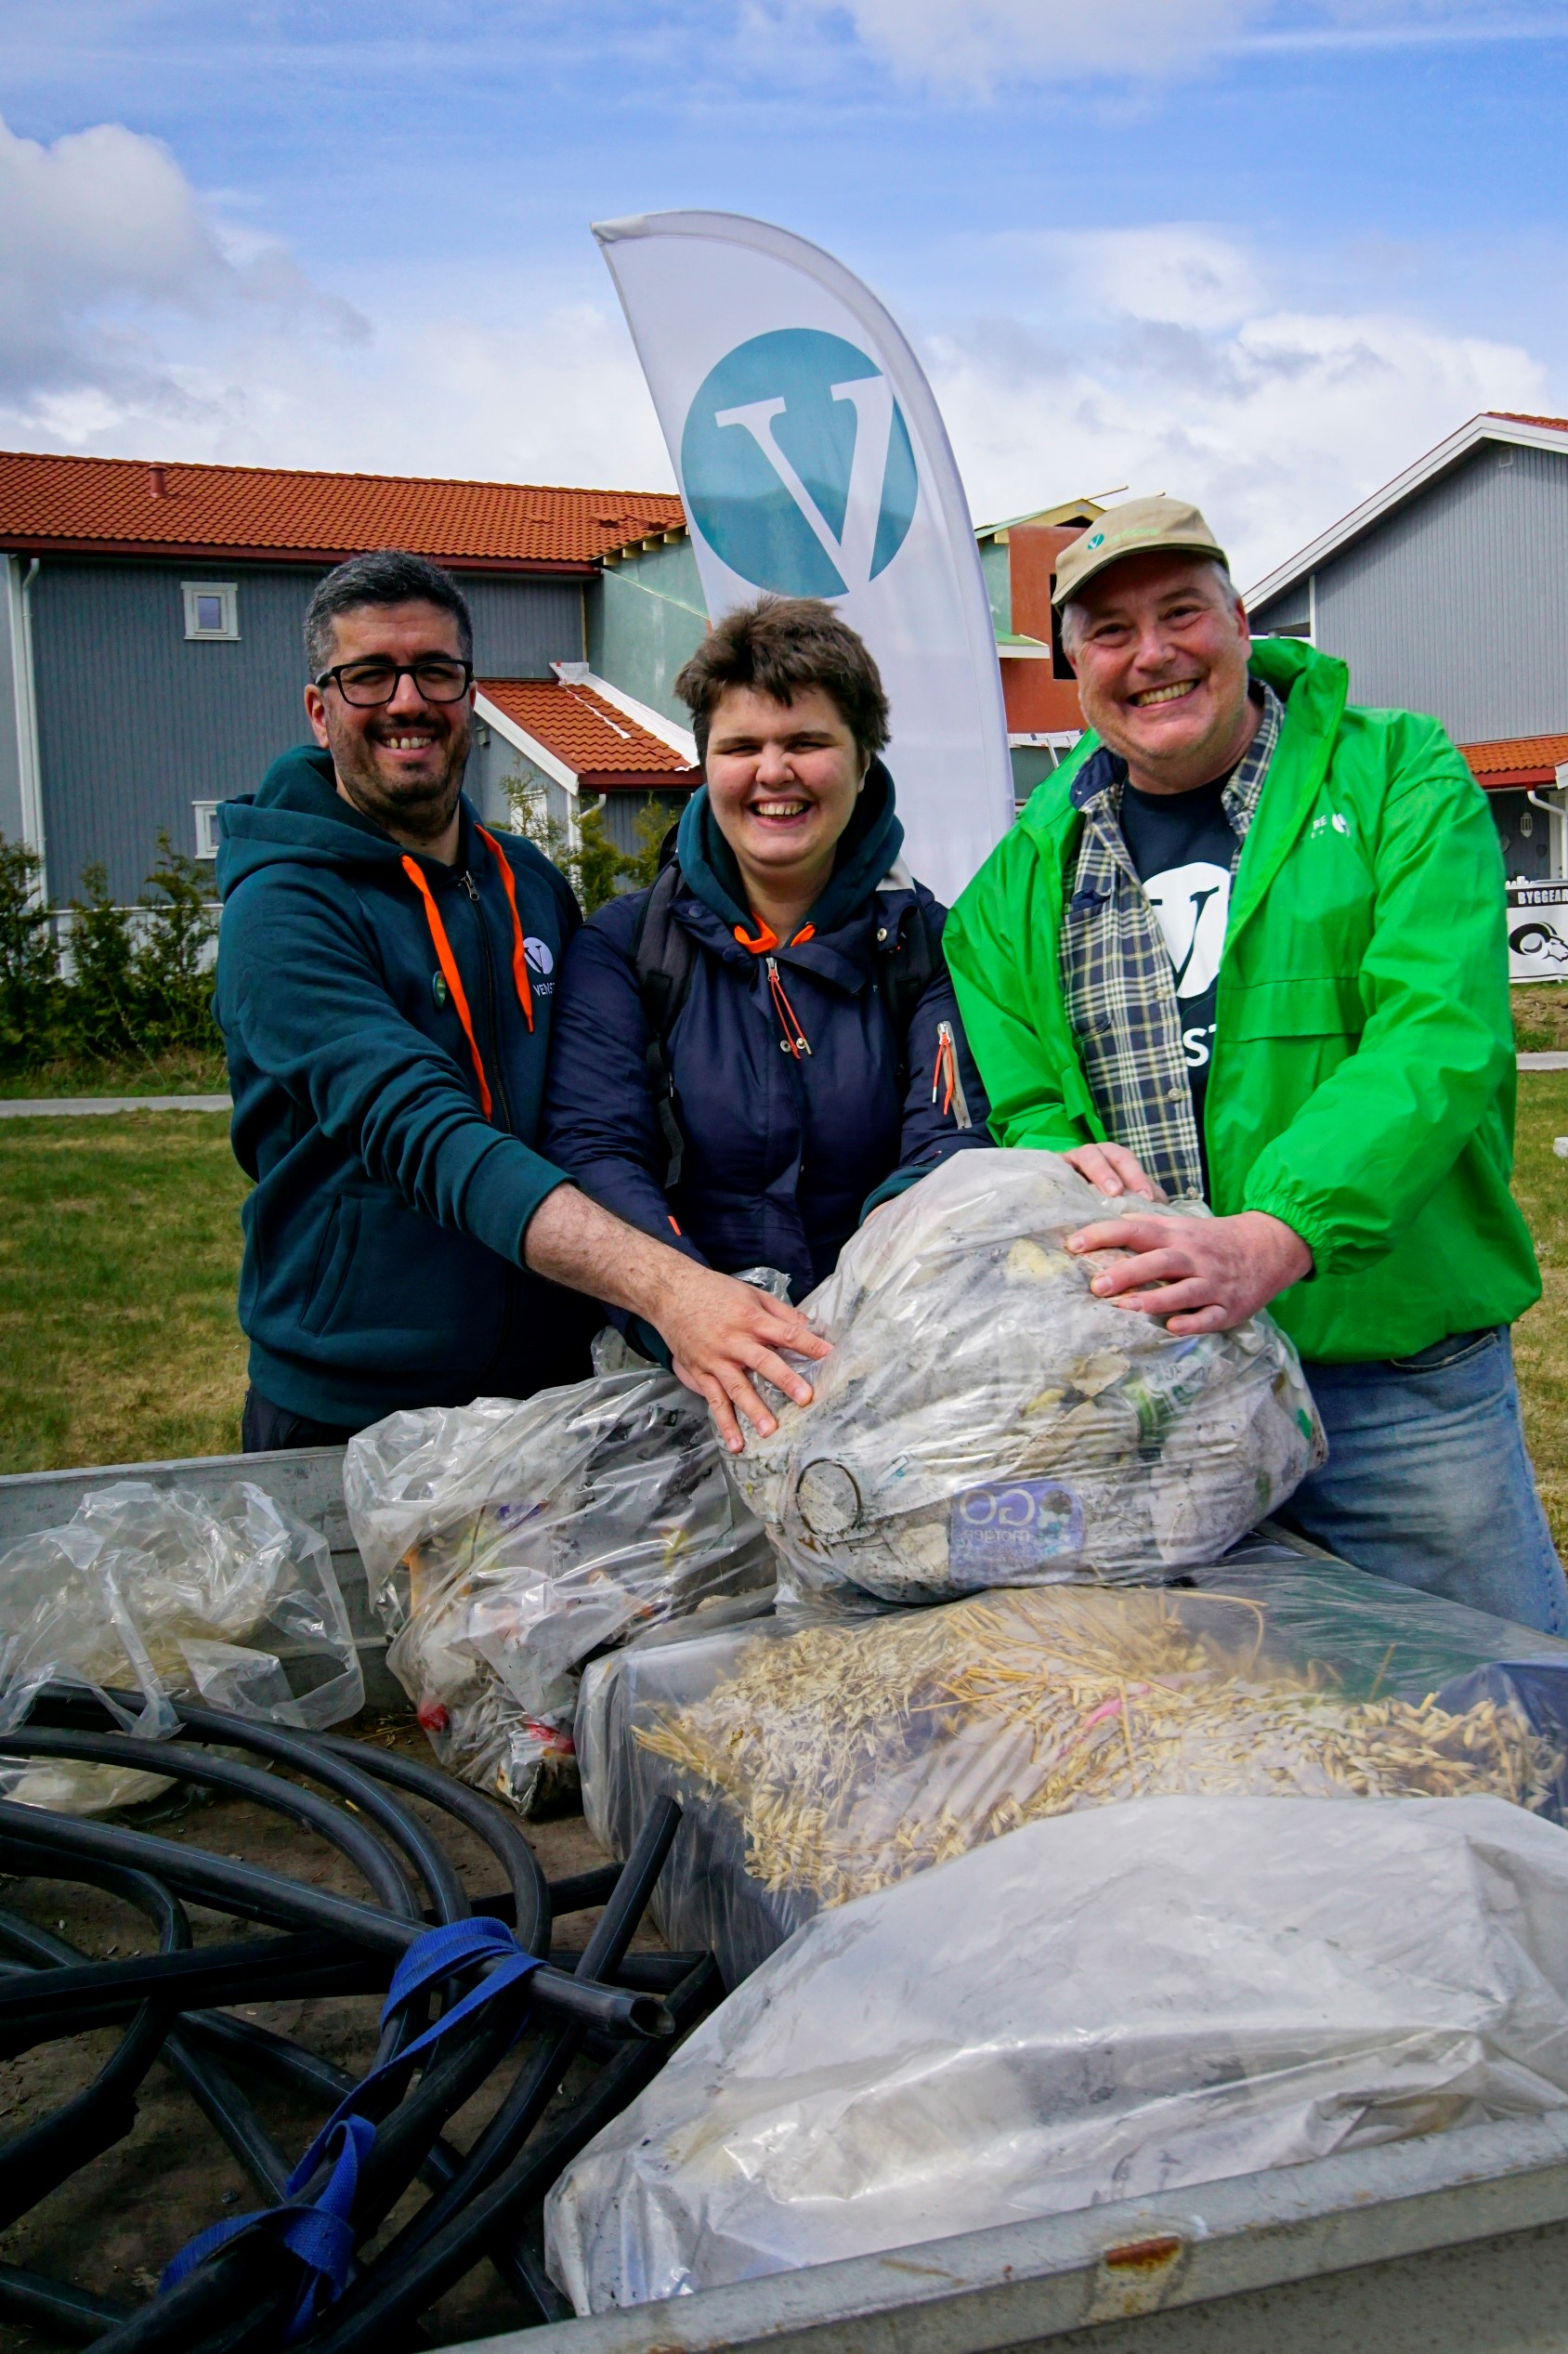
{"x": 595, "y": 868}
{"x": 30, "y": 987}
{"x": 139, "y": 983}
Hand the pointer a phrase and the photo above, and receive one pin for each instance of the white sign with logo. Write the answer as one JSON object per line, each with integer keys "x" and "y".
{"x": 1538, "y": 931}
{"x": 812, "y": 460}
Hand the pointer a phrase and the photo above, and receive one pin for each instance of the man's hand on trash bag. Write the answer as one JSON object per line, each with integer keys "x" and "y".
{"x": 1202, "y": 1275}
{"x": 1113, "y": 1169}
{"x": 719, "y": 1332}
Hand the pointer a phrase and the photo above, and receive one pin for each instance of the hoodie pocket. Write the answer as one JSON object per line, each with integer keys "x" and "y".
{"x": 334, "y": 1256}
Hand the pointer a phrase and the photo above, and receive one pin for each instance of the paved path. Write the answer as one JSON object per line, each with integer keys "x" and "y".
{"x": 73, "y": 1107}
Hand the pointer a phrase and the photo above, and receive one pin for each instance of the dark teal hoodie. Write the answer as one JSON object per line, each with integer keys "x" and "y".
{"x": 383, "y": 1239}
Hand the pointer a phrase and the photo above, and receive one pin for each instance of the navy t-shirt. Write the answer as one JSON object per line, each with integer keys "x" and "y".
{"x": 1181, "y": 845}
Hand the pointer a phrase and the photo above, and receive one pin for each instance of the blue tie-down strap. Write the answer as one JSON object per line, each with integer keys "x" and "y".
{"x": 320, "y": 2237}
{"x": 321, "y": 2234}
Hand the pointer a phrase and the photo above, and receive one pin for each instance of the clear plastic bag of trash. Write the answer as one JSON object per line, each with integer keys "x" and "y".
{"x": 159, "y": 1591}
{"x": 505, "y": 1543}
{"x": 1175, "y": 1992}
{"x": 820, "y": 1762}
{"x": 985, "y": 1420}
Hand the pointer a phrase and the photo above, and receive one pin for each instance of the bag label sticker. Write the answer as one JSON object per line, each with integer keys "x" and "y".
{"x": 1014, "y": 1524}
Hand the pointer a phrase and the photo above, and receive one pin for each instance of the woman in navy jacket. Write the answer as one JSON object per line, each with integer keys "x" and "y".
{"x": 750, "y": 1058}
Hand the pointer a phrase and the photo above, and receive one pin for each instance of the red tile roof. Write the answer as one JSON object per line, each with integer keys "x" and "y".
{"x": 1514, "y": 760}
{"x": 608, "y": 751}
{"x": 124, "y": 507}
{"x": 1517, "y": 417}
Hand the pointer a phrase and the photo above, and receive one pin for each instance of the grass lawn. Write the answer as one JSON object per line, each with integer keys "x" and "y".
{"x": 1540, "y": 1017}
{"x": 183, "y": 1071}
{"x": 1540, "y": 1339}
{"x": 119, "y": 1259}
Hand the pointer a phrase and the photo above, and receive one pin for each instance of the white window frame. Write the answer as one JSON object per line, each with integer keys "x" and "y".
{"x": 228, "y": 593}
{"x": 207, "y": 827}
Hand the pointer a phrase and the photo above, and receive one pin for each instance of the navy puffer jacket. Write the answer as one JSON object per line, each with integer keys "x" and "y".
{"x": 784, "y": 1155}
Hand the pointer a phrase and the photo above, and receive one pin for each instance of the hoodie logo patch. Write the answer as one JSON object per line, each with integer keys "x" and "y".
{"x": 439, "y": 988}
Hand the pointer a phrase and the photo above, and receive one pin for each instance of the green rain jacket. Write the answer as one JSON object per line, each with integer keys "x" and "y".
{"x": 1362, "y": 1086}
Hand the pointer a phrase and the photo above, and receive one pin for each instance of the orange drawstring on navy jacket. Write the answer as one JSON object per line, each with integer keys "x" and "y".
{"x": 766, "y": 940}
{"x": 447, "y": 962}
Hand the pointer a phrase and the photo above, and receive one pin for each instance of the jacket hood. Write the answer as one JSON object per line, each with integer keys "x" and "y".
{"x": 866, "y": 849}
{"x": 298, "y": 818}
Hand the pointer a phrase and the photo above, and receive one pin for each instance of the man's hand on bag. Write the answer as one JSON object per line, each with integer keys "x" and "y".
{"x": 1113, "y": 1169}
{"x": 719, "y": 1332}
{"x": 1202, "y": 1275}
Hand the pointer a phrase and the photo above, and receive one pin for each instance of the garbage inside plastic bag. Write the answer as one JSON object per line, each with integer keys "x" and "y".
{"x": 820, "y": 1762}
{"x": 505, "y": 1543}
{"x": 985, "y": 1420}
{"x": 232, "y": 1602}
{"x": 1176, "y": 1991}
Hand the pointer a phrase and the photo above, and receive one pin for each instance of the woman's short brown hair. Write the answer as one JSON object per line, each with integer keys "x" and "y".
{"x": 783, "y": 646}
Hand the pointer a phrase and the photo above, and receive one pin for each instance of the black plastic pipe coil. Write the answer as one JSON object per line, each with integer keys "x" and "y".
{"x": 173, "y": 2003}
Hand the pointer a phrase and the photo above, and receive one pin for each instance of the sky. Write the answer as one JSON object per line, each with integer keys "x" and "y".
{"x": 1260, "y": 253}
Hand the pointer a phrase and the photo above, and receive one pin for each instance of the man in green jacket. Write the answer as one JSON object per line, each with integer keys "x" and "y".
{"x": 1249, "y": 943}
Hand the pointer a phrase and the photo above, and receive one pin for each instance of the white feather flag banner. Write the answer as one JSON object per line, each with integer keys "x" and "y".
{"x": 812, "y": 460}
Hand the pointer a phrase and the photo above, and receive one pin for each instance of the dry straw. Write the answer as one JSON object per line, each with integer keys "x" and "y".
{"x": 857, "y": 1754}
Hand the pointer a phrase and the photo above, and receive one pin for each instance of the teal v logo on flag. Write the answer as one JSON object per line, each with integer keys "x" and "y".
{"x": 797, "y": 465}
{"x": 851, "y": 549}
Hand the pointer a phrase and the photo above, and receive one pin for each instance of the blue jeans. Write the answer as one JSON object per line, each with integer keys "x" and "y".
{"x": 1428, "y": 1481}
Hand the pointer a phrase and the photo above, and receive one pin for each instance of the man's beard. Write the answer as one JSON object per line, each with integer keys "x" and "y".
{"x": 422, "y": 809}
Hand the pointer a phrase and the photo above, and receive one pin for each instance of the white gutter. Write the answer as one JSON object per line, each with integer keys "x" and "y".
{"x": 29, "y": 767}
{"x": 512, "y": 733}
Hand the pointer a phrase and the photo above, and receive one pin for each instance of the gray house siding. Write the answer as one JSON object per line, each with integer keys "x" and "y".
{"x": 135, "y": 722}
{"x": 1457, "y": 604}
{"x": 1287, "y": 615}
{"x": 645, "y": 615}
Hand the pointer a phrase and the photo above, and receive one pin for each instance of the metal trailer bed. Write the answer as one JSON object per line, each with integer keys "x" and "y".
{"x": 1455, "y": 2243}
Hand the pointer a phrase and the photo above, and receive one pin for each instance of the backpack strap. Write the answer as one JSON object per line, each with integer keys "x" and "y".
{"x": 909, "y": 950}
{"x": 664, "y": 956}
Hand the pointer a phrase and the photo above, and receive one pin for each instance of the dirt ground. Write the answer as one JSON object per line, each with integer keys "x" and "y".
{"x": 111, "y": 2227}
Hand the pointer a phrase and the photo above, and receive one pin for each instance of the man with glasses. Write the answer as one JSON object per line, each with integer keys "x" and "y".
{"x": 384, "y": 992}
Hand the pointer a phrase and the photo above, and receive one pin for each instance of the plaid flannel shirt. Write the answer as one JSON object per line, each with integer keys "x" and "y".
{"x": 1116, "y": 978}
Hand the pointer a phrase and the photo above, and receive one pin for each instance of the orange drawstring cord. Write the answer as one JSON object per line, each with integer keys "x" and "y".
{"x": 766, "y": 940}
{"x": 794, "y": 1037}
{"x": 946, "y": 1067}
{"x": 450, "y": 974}
{"x": 520, "y": 955}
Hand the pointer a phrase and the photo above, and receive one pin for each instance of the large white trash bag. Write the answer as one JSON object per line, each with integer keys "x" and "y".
{"x": 1093, "y": 2008}
{"x": 985, "y": 1420}
{"x": 505, "y": 1543}
{"x": 157, "y": 1590}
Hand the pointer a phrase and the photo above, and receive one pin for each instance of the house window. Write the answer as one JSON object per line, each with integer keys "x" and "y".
{"x": 207, "y": 827}
{"x": 211, "y": 608}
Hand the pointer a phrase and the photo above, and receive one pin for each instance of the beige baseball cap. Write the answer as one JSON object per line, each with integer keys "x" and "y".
{"x": 1132, "y": 530}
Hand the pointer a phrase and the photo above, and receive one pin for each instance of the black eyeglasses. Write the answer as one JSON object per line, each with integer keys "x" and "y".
{"x": 440, "y": 679}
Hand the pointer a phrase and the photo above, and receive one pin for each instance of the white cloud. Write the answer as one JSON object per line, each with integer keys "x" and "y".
{"x": 1159, "y": 373}
{"x": 973, "y": 42}
{"x": 980, "y": 46}
{"x": 1188, "y": 275}
{"x": 104, "y": 237}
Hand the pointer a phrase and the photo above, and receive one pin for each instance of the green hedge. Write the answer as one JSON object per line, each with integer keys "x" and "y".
{"x": 140, "y": 979}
